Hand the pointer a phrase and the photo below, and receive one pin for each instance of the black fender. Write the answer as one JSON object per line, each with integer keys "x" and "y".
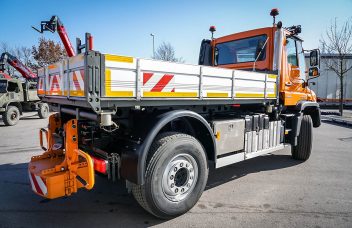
{"x": 304, "y": 108}
{"x": 310, "y": 108}
{"x": 133, "y": 163}
{"x": 17, "y": 104}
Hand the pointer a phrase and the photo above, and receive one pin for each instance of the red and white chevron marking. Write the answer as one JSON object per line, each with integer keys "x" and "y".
{"x": 156, "y": 82}
{"x": 41, "y": 86}
{"x": 55, "y": 82}
{"x": 38, "y": 184}
{"x": 77, "y": 80}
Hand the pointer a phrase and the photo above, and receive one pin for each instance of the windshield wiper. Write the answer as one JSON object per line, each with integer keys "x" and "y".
{"x": 262, "y": 48}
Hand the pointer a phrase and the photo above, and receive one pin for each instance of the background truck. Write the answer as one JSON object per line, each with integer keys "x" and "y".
{"x": 18, "y": 95}
{"x": 327, "y": 85}
{"x": 160, "y": 126}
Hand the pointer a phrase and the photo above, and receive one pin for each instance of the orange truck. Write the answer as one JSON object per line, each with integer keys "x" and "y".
{"x": 159, "y": 126}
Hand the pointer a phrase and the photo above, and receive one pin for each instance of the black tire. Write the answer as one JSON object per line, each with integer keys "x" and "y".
{"x": 165, "y": 149}
{"x": 11, "y": 116}
{"x": 304, "y": 141}
{"x": 43, "y": 111}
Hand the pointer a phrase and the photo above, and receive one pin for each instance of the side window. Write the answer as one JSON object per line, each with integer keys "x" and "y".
{"x": 291, "y": 52}
{"x": 301, "y": 59}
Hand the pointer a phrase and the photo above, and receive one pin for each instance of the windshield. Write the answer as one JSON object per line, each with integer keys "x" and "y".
{"x": 240, "y": 51}
{"x": 3, "y": 86}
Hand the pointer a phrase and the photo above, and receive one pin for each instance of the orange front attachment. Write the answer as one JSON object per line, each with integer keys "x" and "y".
{"x": 61, "y": 171}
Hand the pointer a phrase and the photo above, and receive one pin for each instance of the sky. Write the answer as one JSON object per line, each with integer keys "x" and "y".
{"x": 124, "y": 27}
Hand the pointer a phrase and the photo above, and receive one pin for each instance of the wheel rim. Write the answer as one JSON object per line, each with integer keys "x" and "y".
{"x": 180, "y": 177}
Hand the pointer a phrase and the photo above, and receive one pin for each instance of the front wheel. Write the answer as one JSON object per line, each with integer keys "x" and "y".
{"x": 303, "y": 148}
{"x": 176, "y": 175}
{"x": 11, "y": 116}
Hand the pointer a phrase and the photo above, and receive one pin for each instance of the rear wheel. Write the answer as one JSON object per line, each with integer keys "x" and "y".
{"x": 304, "y": 142}
{"x": 43, "y": 111}
{"x": 11, "y": 116}
{"x": 176, "y": 176}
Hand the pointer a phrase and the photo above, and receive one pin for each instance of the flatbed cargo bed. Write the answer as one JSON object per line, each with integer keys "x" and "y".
{"x": 104, "y": 82}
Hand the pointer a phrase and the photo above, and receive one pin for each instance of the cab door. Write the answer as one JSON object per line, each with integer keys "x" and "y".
{"x": 295, "y": 89}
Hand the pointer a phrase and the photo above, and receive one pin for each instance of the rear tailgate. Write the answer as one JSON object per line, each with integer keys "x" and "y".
{"x": 62, "y": 79}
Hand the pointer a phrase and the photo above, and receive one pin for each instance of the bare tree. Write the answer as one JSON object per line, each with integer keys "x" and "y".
{"x": 166, "y": 52}
{"x": 337, "y": 43}
{"x": 5, "y": 47}
{"x": 27, "y": 57}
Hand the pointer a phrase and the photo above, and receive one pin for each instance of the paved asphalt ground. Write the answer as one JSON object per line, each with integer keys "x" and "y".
{"x": 268, "y": 191}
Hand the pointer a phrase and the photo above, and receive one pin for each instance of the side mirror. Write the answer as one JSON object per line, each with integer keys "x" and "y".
{"x": 314, "y": 72}
{"x": 205, "y": 53}
{"x": 314, "y": 58}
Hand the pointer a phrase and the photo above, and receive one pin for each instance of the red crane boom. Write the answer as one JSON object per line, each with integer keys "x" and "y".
{"x": 17, "y": 64}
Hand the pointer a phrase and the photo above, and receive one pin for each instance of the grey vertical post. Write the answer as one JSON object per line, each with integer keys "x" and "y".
{"x": 201, "y": 83}
{"x": 233, "y": 85}
{"x": 68, "y": 77}
{"x": 265, "y": 87}
{"x": 139, "y": 78}
{"x": 46, "y": 79}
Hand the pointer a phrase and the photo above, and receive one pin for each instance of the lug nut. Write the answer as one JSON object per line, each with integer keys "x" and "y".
{"x": 191, "y": 170}
{"x": 172, "y": 185}
{"x": 175, "y": 169}
{"x": 187, "y": 165}
{"x": 171, "y": 177}
{"x": 191, "y": 177}
{"x": 188, "y": 185}
{"x": 181, "y": 164}
{"x": 182, "y": 189}
{"x": 176, "y": 190}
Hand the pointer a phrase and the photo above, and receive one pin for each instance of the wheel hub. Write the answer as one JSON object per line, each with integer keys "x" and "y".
{"x": 180, "y": 176}
{"x": 13, "y": 116}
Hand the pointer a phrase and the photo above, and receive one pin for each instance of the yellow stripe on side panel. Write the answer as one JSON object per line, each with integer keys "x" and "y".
{"x": 272, "y": 95}
{"x": 272, "y": 76}
{"x": 118, "y": 58}
{"x": 250, "y": 95}
{"x": 170, "y": 94}
{"x": 75, "y": 93}
{"x": 109, "y": 92}
{"x": 217, "y": 94}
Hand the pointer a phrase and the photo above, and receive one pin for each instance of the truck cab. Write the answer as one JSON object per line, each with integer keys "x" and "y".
{"x": 17, "y": 96}
{"x": 270, "y": 50}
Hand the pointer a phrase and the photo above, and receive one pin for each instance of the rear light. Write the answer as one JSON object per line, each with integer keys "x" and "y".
{"x": 100, "y": 165}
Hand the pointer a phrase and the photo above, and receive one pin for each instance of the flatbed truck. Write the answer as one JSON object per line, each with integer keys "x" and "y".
{"x": 160, "y": 126}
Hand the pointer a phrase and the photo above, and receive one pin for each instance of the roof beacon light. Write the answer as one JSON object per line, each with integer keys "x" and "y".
{"x": 212, "y": 29}
{"x": 274, "y": 12}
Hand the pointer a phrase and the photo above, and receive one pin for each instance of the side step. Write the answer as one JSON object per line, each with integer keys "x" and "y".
{"x": 60, "y": 171}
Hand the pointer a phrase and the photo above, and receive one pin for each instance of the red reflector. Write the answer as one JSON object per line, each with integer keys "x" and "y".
{"x": 236, "y": 105}
{"x": 100, "y": 165}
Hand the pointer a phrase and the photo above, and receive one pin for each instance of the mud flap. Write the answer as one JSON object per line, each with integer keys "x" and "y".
{"x": 60, "y": 171}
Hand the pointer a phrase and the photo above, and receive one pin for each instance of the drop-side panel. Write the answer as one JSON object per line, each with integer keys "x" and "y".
{"x": 142, "y": 79}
